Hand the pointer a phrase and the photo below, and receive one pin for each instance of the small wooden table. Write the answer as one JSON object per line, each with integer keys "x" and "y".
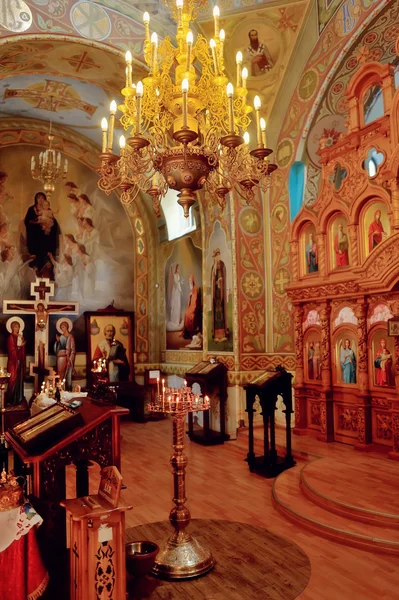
{"x": 267, "y": 387}
{"x": 97, "y": 439}
{"x": 212, "y": 379}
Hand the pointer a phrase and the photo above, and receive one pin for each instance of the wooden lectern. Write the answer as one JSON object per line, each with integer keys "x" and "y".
{"x": 267, "y": 387}
{"x": 95, "y": 437}
{"x": 97, "y": 542}
{"x": 212, "y": 379}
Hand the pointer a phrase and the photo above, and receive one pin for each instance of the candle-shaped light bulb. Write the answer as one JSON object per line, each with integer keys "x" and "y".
{"x": 112, "y": 110}
{"x": 104, "y": 127}
{"x": 230, "y": 92}
{"x": 222, "y": 37}
{"x": 139, "y": 95}
{"x": 122, "y": 143}
{"x": 212, "y": 44}
{"x": 189, "y": 42}
{"x": 179, "y": 5}
{"x": 139, "y": 89}
{"x": 184, "y": 87}
{"x": 257, "y": 105}
{"x": 239, "y": 63}
{"x": 146, "y": 21}
{"x": 66, "y": 166}
{"x": 263, "y": 131}
{"x": 244, "y": 75}
{"x": 246, "y": 137}
{"x": 154, "y": 51}
{"x": 216, "y": 15}
{"x": 128, "y": 58}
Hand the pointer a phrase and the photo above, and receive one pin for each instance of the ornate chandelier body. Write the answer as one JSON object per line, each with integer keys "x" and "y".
{"x": 186, "y": 122}
{"x": 49, "y": 170}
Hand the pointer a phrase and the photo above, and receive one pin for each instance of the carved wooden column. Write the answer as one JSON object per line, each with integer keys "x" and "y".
{"x": 294, "y": 260}
{"x": 364, "y": 407}
{"x": 321, "y": 253}
{"x": 326, "y": 402}
{"x": 353, "y": 237}
{"x": 300, "y": 399}
{"x": 362, "y": 359}
{"x": 395, "y": 404}
{"x": 395, "y": 203}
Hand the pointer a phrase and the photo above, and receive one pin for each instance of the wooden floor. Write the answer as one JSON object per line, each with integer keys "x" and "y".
{"x": 220, "y": 486}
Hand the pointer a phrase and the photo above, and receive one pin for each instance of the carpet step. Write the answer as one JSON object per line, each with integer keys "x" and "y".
{"x": 298, "y": 508}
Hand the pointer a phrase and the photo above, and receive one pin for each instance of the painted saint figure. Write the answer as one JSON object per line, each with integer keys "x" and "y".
{"x": 16, "y": 364}
{"x": 220, "y": 329}
{"x": 114, "y": 353}
{"x": 174, "y": 322}
{"x": 192, "y": 316}
{"x": 311, "y": 255}
{"x": 317, "y": 361}
{"x": 310, "y": 360}
{"x": 65, "y": 351}
{"x": 341, "y": 247}
{"x": 376, "y": 231}
{"x": 41, "y": 241}
{"x": 259, "y": 55}
{"x": 348, "y": 363}
{"x": 384, "y": 375}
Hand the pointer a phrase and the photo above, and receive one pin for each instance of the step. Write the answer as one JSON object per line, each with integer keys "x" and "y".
{"x": 364, "y": 489}
{"x": 290, "y": 502}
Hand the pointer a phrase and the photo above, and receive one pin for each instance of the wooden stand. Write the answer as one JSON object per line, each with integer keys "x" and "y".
{"x": 212, "y": 378}
{"x": 97, "y": 439}
{"x": 267, "y": 387}
{"x": 97, "y": 548}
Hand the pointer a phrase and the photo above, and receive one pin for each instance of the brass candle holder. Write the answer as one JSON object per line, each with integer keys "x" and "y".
{"x": 182, "y": 556}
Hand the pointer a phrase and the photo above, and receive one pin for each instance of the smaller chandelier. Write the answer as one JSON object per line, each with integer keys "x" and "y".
{"x": 186, "y": 123}
{"x": 49, "y": 170}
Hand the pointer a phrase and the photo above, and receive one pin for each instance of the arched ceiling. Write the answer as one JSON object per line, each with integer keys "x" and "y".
{"x": 73, "y": 50}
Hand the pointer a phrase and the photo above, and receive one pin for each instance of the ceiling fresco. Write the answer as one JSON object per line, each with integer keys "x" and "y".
{"x": 277, "y": 30}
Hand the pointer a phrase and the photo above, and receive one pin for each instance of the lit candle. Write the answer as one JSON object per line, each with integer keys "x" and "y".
{"x": 158, "y": 387}
{"x": 189, "y": 41}
{"x": 212, "y": 44}
{"x": 128, "y": 58}
{"x": 216, "y": 15}
{"x": 246, "y": 137}
{"x": 122, "y": 144}
{"x": 139, "y": 96}
{"x": 257, "y": 105}
{"x": 112, "y": 110}
{"x": 32, "y": 163}
{"x": 179, "y": 4}
{"x": 184, "y": 87}
{"x": 230, "y": 92}
{"x": 263, "y": 130}
{"x": 244, "y": 75}
{"x": 104, "y": 127}
{"x": 154, "y": 49}
{"x": 239, "y": 63}
{"x": 146, "y": 21}
{"x": 222, "y": 37}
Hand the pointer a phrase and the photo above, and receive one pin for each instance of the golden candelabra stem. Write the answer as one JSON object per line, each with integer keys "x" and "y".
{"x": 4, "y": 379}
{"x": 182, "y": 556}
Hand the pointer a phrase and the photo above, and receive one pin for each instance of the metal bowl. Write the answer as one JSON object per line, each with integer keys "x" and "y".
{"x": 140, "y": 557}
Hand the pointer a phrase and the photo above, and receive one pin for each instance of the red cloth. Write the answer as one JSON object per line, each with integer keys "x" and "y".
{"x": 376, "y": 230}
{"x": 23, "y": 575}
{"x": 15, "y": 353}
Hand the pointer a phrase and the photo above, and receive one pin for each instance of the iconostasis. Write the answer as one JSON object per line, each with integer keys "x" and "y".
{"x": 345, "y": 250}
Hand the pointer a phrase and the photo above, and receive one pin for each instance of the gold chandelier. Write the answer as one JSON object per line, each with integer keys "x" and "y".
{"x": 187, "y": 124}
{"x": 48, "y": 170}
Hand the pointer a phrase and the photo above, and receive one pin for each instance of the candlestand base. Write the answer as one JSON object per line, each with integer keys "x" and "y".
{"x": 182, "y": 557}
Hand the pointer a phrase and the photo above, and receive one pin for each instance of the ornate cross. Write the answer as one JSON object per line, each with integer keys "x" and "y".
{"x": 41, "y": 289}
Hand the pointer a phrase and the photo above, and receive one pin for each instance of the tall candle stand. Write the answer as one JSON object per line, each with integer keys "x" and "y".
{"x": 4, "y": 379}
{"x": 182, "y": 556}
